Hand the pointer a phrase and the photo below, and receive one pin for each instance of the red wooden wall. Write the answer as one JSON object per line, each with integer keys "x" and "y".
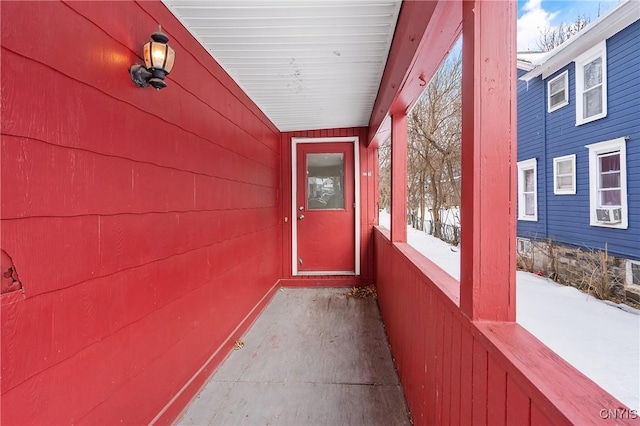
{"x": 460, "y": 372}
{"x": 368, "y": 208}
{"x": 144, "y": 225}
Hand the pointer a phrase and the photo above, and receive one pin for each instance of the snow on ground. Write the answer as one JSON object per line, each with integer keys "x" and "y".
{"x": 599, "y": 339}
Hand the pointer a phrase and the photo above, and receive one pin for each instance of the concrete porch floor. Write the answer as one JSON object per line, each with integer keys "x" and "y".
{"x": 314, "y": 357}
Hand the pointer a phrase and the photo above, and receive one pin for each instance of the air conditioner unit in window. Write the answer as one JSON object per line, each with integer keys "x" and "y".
{"x": 609, "y": 215}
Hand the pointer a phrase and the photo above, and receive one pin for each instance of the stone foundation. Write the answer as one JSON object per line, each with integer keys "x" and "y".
{"x": 592, "y": 271}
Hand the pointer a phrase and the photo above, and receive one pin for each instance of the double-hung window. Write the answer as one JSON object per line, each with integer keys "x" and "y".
{"x": 591, "y": 84}
{"x": 527, "y": 190}
{"x": 608, "y": 184}
{"x": 557, "y": 92}
{"x": 564, "y": 175}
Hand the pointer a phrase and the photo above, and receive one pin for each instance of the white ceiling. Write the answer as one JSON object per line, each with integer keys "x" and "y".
{"x": 307, "y": 64}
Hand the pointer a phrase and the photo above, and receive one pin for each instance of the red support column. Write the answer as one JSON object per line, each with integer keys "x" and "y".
{"x": 487, "y": 278}
{"x": 399, "y": 135}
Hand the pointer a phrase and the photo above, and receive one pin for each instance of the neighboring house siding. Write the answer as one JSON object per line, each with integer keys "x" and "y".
{"x": 531, "y": 110}
{"x": 568, "y": 215}
{"x": 624, "y": 108}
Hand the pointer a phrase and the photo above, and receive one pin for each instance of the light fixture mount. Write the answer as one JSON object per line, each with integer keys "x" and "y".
{"x": 159, "y": 58}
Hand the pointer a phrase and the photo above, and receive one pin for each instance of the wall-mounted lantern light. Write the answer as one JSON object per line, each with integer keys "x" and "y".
{"x": 158, "y": 58}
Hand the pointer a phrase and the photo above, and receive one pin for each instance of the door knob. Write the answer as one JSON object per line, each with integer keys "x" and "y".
{"x": 301, "y": 217}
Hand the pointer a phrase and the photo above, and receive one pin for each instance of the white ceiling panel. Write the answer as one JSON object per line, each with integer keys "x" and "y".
{"x": 307, "y": 64}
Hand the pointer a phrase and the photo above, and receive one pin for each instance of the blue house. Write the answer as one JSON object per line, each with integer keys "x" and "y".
{"x": 579, "y": 156}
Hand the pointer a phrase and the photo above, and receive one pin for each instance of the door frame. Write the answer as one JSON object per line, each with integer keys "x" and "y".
{"x": 355, "y": 140}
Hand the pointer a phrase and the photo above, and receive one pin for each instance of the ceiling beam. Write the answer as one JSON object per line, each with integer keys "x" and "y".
{"x": 425, "y": 33}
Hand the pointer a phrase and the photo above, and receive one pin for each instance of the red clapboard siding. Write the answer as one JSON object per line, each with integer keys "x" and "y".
{"x": 476, "y": 372}
{"x": 135, "y": 26}
{"x": 129, "y": 352}
{"x": 105, "y": 245}
{"x": 218, "y": 148}
{"x": 145, "y": 226}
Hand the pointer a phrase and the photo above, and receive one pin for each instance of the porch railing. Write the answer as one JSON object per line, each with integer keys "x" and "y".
{"x": 456, "y": 371}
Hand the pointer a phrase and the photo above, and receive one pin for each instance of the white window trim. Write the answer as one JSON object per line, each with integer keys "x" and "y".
{"x": 599, "y": 50}
{"x": 629, "y": 277}
{"x": 596, "y": 149}
{"x": 565, "y": 77}
{"x": 522, "y": 166}
{"x": 557, "y": 160}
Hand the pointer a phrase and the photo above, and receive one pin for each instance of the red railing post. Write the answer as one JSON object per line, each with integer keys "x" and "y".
{"x": 399, "y": 135}
{"x": 487, "y": 278}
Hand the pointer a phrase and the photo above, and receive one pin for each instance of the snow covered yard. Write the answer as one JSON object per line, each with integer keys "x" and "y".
{"x": 600, "y": 339}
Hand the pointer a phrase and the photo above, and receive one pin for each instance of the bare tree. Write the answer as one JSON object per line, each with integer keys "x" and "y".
{"x": 384, "y": 160}
{"x": 553, "y": 37}
{"x": 433, "y": 163}
{"x": 434, "y": 146}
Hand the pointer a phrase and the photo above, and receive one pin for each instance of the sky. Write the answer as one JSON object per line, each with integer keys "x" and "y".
{"x": 536, "y": 15}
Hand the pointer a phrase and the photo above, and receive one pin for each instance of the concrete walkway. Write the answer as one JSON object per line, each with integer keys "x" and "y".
{"x": 314, "y": 357}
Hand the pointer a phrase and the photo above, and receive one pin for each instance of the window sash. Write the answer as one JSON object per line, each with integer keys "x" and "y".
{"x": 592, "y": 73}
{"x": 608, "y": 181}
{"x": 609, "y": 185}
{"x": 529, "y": 203}
{"x": 592, "y": 105}
{"x": 557, "y": 92}
{"x": 528, "y": 181}
{"x": 564, "y": 174}
{"x": 565, "y": 167}
{"x": 564, "y": 182}
{"x": 591, "y": 84}
{"x": 556, "y": 86}
{"x": 612, "y": 161}
{"x": 527, "y": 191}
{"x": 635, "y": 273}
{"x": 557, "y": 98}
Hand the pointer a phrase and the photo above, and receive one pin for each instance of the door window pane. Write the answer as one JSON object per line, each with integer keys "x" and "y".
{"x": 325, "y": 181}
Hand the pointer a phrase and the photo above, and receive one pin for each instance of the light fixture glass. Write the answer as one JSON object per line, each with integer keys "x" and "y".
{"x": 158, "y": 55}
{"x": 159, "y": 58}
